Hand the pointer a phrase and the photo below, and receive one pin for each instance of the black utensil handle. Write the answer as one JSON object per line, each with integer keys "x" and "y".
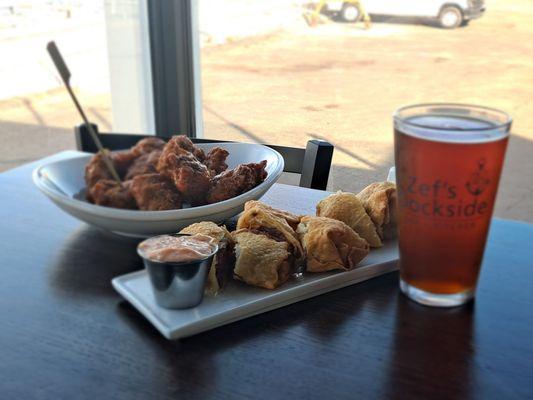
{"x": 59, "y": 62}
{"x": 65, "y": 75}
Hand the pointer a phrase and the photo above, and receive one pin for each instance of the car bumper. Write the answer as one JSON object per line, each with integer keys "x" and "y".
{"x": 473, "y": 13}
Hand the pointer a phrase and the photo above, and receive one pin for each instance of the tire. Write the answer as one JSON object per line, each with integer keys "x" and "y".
{"x": 450, "y": 17}
{"x": 350, "y": 13}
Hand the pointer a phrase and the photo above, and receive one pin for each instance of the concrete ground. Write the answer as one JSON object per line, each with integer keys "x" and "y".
{"x": 336, "y": 82}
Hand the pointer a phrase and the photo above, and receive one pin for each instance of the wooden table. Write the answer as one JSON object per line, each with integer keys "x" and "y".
{"x": 66, "y": 334}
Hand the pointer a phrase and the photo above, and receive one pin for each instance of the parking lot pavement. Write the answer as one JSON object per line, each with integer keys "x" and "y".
{"x": 341, "y": 83}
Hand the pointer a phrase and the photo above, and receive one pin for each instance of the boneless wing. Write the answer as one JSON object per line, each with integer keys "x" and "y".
{"x": 110, "y": 193}
{"x": 191, "y": 177}
{"x": 236, "y": 181}
{"x": 96, "y": 170}
{"x": 147, "y": 145}
{"x": 144, "y": 164}
{"x": 141, "y": 158}
{"x": 180, "y": 144}
{"x": 215, "y": 161}
{"x": 122, "y": 160}
{"x": 154, "y": 192}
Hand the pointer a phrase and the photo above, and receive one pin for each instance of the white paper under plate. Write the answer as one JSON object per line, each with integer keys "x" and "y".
{"x": 240, "y": 301}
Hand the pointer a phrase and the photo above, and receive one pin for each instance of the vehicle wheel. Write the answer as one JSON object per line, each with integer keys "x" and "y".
{"x": 450, "y": 17}
{"x": 350, "y": 13}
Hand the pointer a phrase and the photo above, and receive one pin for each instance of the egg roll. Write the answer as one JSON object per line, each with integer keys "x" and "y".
{"x": 330, "y": 244}
{"x": 292, "y": 219}
{"x": 347, "y": 207}
{"x": 261, "y": 260}
{"x": 221, "y": 271}
{"x": 260, "y": 217}
{"x": 380, "y": 202}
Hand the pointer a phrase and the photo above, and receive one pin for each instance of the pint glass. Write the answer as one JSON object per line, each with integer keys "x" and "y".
{"x": 448, "y": 163}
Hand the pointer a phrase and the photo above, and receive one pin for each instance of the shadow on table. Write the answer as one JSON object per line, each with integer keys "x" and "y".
{"x": 202, "y": 362}
{"x": 431, "y": 345}
{"x": 328, "y": 315}
{"x": 184, "y": 363}
{"x": 322, "y": 316}
{"x": 78, "y": 272}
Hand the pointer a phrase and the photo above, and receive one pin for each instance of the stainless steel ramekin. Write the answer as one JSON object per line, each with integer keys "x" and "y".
{"x": 178, "y": 285}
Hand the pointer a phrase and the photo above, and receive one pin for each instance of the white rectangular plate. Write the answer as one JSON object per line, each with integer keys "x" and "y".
{"x": 240, "y": 301}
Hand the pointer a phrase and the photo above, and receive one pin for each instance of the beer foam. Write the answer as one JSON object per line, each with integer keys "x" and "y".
{"x": 451, "y": 128}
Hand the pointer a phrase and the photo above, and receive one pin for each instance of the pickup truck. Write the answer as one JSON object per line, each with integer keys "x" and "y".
{"x": 448, "y": 13}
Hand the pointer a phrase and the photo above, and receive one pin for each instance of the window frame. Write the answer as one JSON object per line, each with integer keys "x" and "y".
{"x": 175, "y": 61}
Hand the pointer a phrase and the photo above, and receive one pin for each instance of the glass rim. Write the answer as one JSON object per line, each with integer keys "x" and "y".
{"x": 508, "y": 119}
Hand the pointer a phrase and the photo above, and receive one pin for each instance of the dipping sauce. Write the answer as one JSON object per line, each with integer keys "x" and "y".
{"x": 177, "y": 249}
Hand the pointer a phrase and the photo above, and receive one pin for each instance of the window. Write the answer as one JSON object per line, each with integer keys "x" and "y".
{"x": 106, "y": 47}
{"x": 278, "y": 71}
{"x": 268, "y": 76}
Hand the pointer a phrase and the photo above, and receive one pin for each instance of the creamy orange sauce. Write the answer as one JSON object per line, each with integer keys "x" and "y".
{"x": 167, "y": 248}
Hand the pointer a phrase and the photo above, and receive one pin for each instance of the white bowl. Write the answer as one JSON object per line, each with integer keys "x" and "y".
{"x": 63, "y": 182}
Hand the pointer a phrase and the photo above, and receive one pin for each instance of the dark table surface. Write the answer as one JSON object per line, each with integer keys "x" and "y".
{"x": 66, "y": 334}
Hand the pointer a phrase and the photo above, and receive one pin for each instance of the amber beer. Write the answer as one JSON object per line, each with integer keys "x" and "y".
{"x": 448, "y": 164}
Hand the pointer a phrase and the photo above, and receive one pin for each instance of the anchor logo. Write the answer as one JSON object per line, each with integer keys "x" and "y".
{"x": 479, "y": 180}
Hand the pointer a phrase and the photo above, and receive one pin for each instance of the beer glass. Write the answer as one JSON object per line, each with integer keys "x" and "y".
{"x": 448, "y": 163}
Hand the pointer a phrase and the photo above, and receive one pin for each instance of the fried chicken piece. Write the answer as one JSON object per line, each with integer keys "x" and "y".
{"x": 190, "y": 176}
{"x": 180, "y": 161}
{"x": 215, "y": 160}
{"x": 147, "y": 145}
{"x": 145, "y": 164}
{"x": 110, "y": 193}
{"x": 154, "y": 192}
{"x": 181, "y": 144}
{"x": 236, "y": 181}
{"x": 185, "y": 143}
{"x": 127, "y": 160}
{"x": 96, "y": 170}
{"x": 122, "y": 160}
